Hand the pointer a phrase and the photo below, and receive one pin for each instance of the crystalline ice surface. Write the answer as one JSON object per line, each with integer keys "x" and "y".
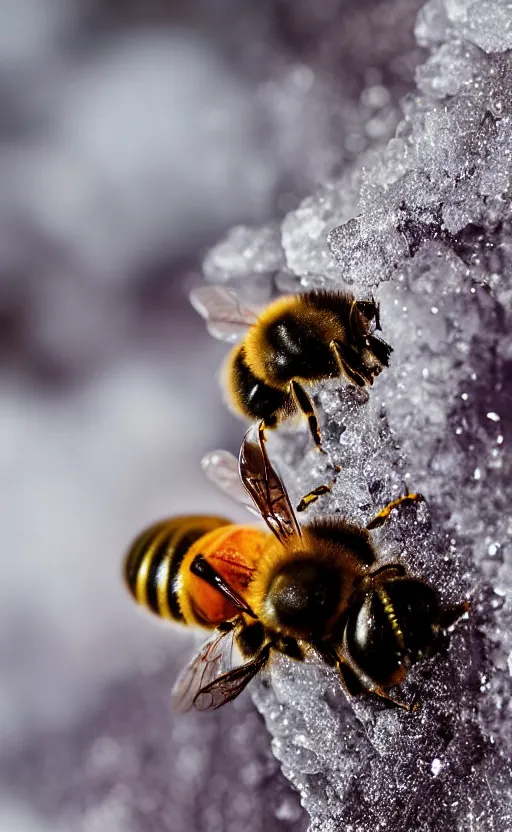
{"x": 423, "y": 225}
{"x": 245, "y": 252}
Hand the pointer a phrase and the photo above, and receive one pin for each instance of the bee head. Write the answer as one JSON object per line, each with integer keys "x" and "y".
{"x": 394, "y": 625}
{"x": 302, "y": 596}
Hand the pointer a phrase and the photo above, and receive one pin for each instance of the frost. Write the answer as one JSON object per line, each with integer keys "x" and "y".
{"x": 245, "y": 252}
{"x": 424, "y": 224}
{"x": 488, "y": 23}
{"x": 362, "y": 254}
{"x": 371, "y": 765}
{"x": 432, "y": 25}
{"x": 305, "y": 229}
{"x": 453, "y": 65}
{"x": 446, "y": 175}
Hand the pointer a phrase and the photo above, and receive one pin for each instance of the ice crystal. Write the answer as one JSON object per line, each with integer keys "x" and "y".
{"x": 424, "y": 225}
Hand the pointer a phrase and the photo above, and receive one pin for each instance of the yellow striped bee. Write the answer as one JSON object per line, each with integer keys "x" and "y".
{"x": 289, "y": 589}
{"x": 295, "y": 342}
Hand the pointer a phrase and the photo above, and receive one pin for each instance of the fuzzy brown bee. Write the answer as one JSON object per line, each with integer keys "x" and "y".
{"x": 295, "y": 342}
{"x": 319, "y": 585}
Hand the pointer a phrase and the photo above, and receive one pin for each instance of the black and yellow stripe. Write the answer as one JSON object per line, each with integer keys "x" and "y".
{"x": 390, "y": 613}
{"x": 152, "y": 564}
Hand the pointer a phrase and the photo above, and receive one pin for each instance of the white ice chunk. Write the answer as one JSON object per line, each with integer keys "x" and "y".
{"x": 487, "y": 23}
{"x": 244, "y": 252}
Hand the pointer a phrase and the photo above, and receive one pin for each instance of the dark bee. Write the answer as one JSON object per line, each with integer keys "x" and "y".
{"x": 319, "y": 585}
{"x": 295, "y": 342}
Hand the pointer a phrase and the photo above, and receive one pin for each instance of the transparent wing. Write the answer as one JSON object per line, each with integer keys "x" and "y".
{"x": 266, "y": 488}
{"x": 227, "y": 316}
{"x": 230, "y": 684}
{"x": 221, "y": 468}
{"x": 212, "y": 661}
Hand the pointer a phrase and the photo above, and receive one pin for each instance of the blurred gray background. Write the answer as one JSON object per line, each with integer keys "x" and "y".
{"x": 132, "y": 136}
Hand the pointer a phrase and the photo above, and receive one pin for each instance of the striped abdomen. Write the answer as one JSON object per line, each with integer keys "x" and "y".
{"x": 153, "y": 562}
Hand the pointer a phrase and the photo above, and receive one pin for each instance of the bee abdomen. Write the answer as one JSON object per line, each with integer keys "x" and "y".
{"x": 253, "y": 396}
{"x": 153, "y": 562}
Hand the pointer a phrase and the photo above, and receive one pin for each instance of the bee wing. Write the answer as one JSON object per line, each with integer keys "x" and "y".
{"x": 227, "y": 316}
{"x": 266, "y": 488}
{"x": 221, "y": 468}
{"x": 230, "y": 684}
{"x": 212, "y": 661}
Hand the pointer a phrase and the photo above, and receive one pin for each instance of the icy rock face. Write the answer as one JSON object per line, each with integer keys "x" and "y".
{"x": 425, "y": 226}
{"x": 447, "y": 172}
{"x": 434, "y": 422}
{"x": 467, "y": 16}
{"x": 308, "y": 254}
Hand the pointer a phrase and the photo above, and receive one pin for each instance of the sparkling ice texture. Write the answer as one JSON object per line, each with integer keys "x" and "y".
{"x": 424, "y": 225}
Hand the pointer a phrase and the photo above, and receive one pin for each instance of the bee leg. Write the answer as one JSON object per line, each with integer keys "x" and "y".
{"x": 289, "y": 647}
{"x": 305, "y": 405}
{"x": 398, "y": 703}
{"x": 380, "y": 349}
{"x": 450, "y": 616}
{"x": 371, "y": 310}
{"x": 312, "y": 497}
{"x": 262, "y": 427}
{"x": 397, "y": 570}
{"x": 202, "y": 569}
{"x": 349, "y": 680}
{"x": 347, "y": 362}
{"x": 352, "y": 685}
{"x": 381, "y": 517}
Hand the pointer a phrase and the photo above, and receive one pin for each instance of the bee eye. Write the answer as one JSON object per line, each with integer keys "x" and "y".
{"x": 303, "y": 596}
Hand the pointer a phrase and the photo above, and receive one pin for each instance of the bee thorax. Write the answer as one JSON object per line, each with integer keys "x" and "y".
{"x": 302, "y": 597}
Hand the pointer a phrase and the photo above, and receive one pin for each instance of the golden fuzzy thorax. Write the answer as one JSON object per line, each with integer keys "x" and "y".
{"x": 258, "y": 351}
{"x": 274, "y": 556}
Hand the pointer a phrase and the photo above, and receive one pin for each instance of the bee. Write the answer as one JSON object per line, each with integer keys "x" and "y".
{"x": 296, "y": 341}
{"x": 287, "y": 589}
